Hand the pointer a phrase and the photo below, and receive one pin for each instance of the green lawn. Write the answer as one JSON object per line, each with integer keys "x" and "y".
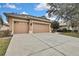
{"x": 3, "y": 46}
{"x": 72, "y": 34}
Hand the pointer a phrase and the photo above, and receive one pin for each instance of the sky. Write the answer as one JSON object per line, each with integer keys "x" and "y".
{"x": 34, "y": 9}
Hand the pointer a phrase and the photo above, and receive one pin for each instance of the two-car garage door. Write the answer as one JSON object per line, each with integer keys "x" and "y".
{"x": 40, "y": 28}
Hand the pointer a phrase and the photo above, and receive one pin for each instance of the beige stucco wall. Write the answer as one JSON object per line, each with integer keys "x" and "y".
{"x": 10, "y": 23}
{"x": 30, "y": 22}
{"x": 41, "y": 22}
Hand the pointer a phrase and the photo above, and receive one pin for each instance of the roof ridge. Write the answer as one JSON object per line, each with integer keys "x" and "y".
{"x": 28, "y": 16}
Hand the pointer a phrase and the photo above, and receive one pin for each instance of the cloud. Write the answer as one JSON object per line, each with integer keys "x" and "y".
{"x": 13, "y": 6}
{"x": 24, "y": 13}
{"x": 42, "y": 6}
{"x": 18, "y": 8}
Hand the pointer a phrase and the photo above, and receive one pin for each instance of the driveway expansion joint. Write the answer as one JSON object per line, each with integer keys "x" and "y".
{"x": 49, "y": 45}
{"x": 39, "y": 51}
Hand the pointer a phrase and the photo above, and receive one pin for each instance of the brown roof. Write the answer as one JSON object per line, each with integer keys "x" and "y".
{"x": 26, "y": 17}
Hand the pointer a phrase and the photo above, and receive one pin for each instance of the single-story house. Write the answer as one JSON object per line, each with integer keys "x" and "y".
{"x": 20, "y": 23}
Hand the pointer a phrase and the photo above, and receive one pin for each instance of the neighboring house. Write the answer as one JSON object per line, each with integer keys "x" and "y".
{"x": 27, "y": 24}
{"x": 65, "y": 24}
{"x": 68, "y": 25}
{"x": 4, "y": 27}
{"x": 62, "y": 24}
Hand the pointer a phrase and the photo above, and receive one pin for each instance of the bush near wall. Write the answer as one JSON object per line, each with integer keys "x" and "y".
{"x": 64, "y": 30}
{"x": 5, "y": 33}
{"x": 76, "y": 31}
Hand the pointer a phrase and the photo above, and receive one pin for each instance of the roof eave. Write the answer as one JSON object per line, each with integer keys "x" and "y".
{"x": 28, "y": 17}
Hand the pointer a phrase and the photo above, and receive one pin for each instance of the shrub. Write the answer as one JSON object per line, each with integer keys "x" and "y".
{"x": 75, "y": 30}
{"x": 59, "y": 30}
{"x": 5, "y": 33}
{"x": 64, "y": 30}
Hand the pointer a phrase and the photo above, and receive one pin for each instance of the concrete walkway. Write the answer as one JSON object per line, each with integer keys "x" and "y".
{"x": 43, "y": 44}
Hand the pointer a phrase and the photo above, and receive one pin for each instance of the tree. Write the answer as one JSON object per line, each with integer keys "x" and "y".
{"x": 68, "y": 11}
{"x": 65, "y": 11}
{"x": 1, "y": 22}
{"x": 54, "y": 25}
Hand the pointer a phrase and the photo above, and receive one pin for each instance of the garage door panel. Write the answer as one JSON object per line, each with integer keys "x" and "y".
{"x": 20, "y": 27}
{"x": 39, "y": 28}
{"x": 35, "y": 28}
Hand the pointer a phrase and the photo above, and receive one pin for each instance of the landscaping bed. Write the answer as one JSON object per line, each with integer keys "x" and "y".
{"x": 4, "y": 42}
{"x": 5, "y": 33}
{"x": 73, "y": 34}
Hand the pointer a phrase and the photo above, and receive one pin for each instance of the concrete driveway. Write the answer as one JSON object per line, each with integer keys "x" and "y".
{"x": 43, "y": 44}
